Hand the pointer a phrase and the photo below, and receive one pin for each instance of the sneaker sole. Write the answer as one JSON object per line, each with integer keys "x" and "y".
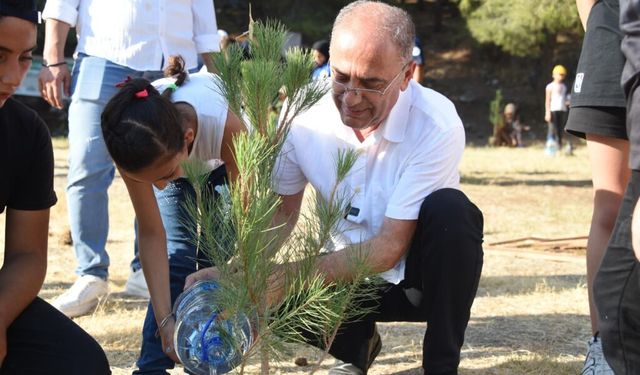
{"x": 81, "y": 309}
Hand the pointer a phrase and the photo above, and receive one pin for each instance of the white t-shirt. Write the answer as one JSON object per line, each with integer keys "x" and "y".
{"x": 200, "y": 91}
{"x": 140, "y": 34}
{"x": 413, "y": 153}
{"x": 558, "y": 96}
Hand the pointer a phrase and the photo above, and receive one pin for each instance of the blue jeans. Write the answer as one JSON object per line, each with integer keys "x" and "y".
{"x": 91, "y": 169}
{"x": 184, "y": 259}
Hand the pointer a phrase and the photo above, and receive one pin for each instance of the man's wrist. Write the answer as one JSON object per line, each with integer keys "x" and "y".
{"x": 47, "y": 64}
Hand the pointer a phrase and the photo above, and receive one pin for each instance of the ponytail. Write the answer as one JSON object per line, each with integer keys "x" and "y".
{"x": 176, "y": 70}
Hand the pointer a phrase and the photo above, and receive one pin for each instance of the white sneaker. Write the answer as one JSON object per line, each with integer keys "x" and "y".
{"x": 595, "y": 363}
{"x": 136, "y": 285}
{"x": 83, "y": 296}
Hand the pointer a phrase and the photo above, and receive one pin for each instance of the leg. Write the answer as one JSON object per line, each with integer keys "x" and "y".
{"x": 444, "y": 263}
{"x": 555, "y": 126}
{"x": 610, "y": 173}
{"x": 91, "y": 169}
{"x": 617, "y": 291}
{"x": 443, "y": 270}
{"x": 43, "y": 341}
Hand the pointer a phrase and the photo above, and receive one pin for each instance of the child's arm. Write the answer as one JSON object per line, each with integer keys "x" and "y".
{"x": 152, "y": 245}
{"x": 232, "y": 127}
{"x": 547, "y": 104}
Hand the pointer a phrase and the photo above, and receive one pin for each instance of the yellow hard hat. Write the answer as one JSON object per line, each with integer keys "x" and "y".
{"x": 559, "y": 69}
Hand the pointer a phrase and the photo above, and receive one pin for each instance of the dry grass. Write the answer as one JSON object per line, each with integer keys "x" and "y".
{"x": 530, "y": 314}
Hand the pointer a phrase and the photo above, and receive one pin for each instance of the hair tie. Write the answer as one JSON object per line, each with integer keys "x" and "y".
{"x": 142, "y": 94}
{"x": 172, "y": 86}
{"x": 126, "y": 80}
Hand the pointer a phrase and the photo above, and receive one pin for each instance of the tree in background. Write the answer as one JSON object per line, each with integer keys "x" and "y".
{"x": 523, "y": 28}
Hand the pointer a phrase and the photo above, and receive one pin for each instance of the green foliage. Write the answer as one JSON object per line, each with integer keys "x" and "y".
{"x": 495, "y": 109}
{"x": 519, "y": 27}
{"x": 239, "y": 230}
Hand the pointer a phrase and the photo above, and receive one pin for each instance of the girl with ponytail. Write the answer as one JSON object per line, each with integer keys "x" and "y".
{"x": 149, "y": 130}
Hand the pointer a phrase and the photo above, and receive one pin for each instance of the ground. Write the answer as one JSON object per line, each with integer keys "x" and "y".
{"x": 530, "y": 315}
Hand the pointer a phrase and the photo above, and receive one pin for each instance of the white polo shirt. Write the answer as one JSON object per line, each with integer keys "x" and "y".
{"x": 140, "y": 34}
{"x": 413, "y": 153}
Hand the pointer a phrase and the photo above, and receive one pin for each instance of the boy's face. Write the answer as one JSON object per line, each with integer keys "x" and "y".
{"x": 558, "y": 77}
{"x": 17, "y": 42}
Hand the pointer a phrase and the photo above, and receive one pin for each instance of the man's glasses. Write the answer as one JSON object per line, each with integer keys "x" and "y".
{"x": 340, "y": 88}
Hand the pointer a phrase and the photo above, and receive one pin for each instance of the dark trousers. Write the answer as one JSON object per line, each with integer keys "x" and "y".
{"x": 558, "y": 120}
{"x": 617, "y": 291}
{"x": 444, "y": 263}
{"x": 42, "y": 341}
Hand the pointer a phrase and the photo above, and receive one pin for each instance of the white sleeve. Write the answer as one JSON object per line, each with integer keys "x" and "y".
{"x": 62, "y": 10}
{"x": 205, "y": 27}
{"x": 429, "y": 170}
{"x": 288, "y": 178}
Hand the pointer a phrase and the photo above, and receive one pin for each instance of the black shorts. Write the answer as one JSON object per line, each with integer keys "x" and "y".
{"x": 603, "y": 121}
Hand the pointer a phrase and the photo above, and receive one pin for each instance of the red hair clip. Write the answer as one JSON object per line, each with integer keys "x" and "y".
{"x": 121, "y": 84}
{"x": 142, "y": 94}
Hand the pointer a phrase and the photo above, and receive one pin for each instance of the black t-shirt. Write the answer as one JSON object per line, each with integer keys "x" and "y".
{"x": 26, "y": 159}
{"x": 597, "y": 82}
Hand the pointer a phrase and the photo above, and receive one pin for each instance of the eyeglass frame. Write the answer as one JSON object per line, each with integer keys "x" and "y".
{"x": 359, "y": 91}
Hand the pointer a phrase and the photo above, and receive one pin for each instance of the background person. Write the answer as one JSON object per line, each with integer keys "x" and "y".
{"x": 555, "y": 105}
{"x": 321, "y": 69}
{"x": 35, "y": 338}
{"x": 132, "y": 38}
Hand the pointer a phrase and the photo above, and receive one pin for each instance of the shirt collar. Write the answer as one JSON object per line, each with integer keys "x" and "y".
{"x": 395, "y": 126}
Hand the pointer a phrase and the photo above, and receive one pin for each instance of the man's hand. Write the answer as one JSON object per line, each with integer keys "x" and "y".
{"x": 635, "y": 230}
{"x": 203, "y": 274}
{"x": 547, "y": 117}
{"x": 53, "y": 82}
{"x": 166, "y": 336}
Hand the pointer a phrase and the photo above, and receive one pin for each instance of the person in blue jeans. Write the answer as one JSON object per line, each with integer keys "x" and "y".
{"x": 149, "y": 135}
{"x": 132, "y": 38}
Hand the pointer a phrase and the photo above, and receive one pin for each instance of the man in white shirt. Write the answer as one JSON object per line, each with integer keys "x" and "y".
{"x": 420, "y": 232}
{"x": 116, "y": 39}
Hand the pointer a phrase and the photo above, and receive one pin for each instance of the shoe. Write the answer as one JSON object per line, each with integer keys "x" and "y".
{"x": 136, "y": 285}
{"x": 568, "y": 150}
{"x": 595, "y": 363}
{"x": 375, "y": 344}
{"x": 83, "y": 296}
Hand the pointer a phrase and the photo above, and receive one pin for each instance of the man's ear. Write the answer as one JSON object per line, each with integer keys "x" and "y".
{"x": 408, "y": 75}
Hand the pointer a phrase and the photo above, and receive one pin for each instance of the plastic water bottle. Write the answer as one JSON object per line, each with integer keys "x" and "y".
{"x": 551, "y": 147}
{"x": 206, "y": 344}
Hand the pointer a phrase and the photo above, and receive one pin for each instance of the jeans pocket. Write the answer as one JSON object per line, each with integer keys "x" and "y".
{"x": 88, "y": 83}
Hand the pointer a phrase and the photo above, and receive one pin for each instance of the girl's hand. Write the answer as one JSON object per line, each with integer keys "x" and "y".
{"x": 166, "y": 336}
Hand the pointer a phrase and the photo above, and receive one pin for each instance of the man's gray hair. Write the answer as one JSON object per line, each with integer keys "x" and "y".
{"x": 393, "y": 23}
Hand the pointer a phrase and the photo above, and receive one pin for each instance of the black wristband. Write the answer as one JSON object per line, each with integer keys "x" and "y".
{"x": 44, "y": 63}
